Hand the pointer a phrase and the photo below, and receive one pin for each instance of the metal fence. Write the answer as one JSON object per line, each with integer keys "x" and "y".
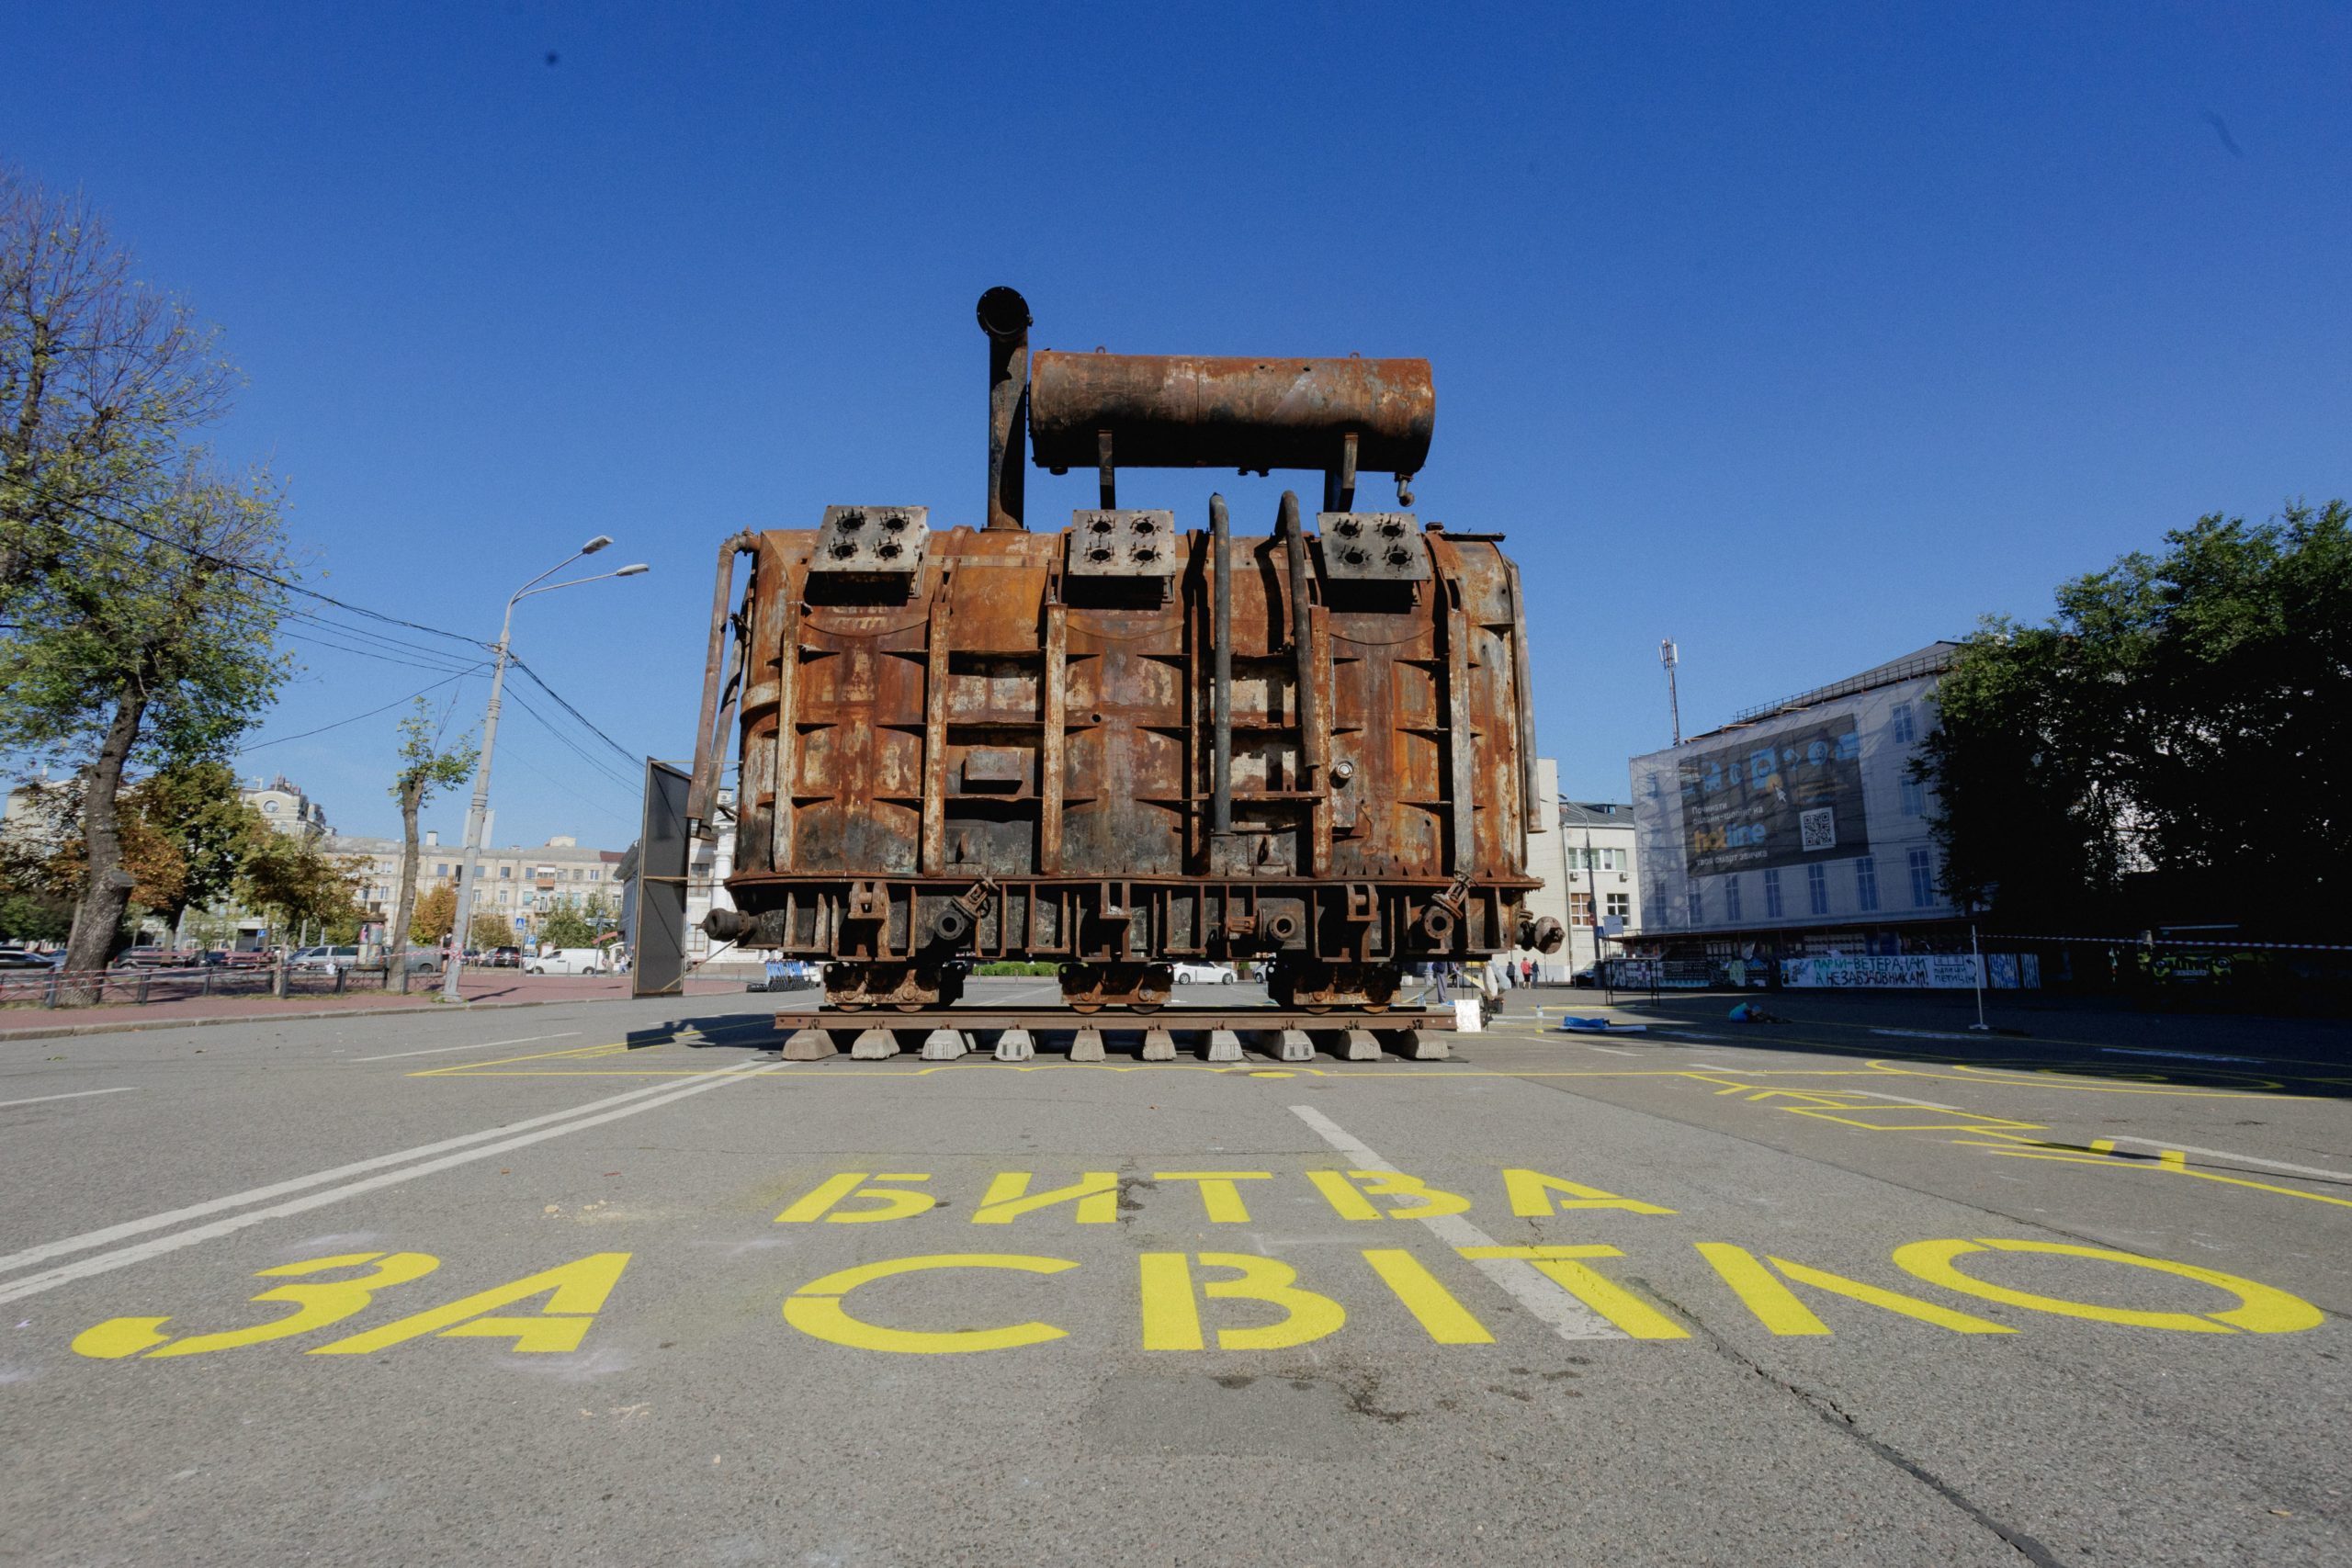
{"x": 139, "y": 987}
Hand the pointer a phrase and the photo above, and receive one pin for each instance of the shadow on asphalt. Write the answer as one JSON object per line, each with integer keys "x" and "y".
{"x": 2298, "y": 1056}
{"x": 751, "y": 1026}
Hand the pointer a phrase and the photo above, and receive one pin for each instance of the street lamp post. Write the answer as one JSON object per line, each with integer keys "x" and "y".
{"x": 471, "y": 865}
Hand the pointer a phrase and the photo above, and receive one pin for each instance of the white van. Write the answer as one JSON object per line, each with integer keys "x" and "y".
{"x": 567, "y": 960}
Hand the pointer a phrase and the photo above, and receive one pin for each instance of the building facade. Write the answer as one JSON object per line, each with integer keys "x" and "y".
{"x": 521, "y": 886}
{"x": 283, "y": 804}
{"x": 1797, "y": 829}
{"x": 1588, "y": 853}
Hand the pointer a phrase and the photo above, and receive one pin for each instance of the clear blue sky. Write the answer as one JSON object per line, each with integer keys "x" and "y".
{"x": 1802, "y": 335}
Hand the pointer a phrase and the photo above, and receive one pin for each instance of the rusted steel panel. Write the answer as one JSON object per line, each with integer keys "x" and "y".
{"x": 1191, "y": 411}
{"x": 1002, "y": 748}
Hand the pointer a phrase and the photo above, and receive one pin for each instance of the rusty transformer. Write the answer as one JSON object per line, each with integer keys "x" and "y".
{"x": 1131, "y": 741}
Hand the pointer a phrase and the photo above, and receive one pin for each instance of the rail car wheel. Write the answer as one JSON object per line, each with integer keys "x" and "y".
{"x": 1086, "y": 1007}
{"x": 1144, "y": 1006}
{"x": 909, "y": 1007}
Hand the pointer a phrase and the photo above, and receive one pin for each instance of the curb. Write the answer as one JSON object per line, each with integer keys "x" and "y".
{"x": 68, "y": 1031}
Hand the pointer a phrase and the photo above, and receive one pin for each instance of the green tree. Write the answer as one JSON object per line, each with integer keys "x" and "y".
{"x": 153, "y": 646}
{"x": 491, "y": 930}
{"x": 435, "y": 913}
{"x": 2182, "y": 715}
{"x": 425, "y": 766}
{"x": 102, "y": 381}
{"x": 290, "y": 877}
{"x": 567, "y": 925}
{"x": 194, "y": 825}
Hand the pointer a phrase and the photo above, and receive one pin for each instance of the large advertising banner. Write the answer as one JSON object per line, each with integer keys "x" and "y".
{"x": 1915, "y": 972}
{"x": 1777, "y": 800}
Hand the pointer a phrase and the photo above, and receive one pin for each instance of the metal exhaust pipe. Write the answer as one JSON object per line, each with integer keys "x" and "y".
{"x": 1004, "y": 316}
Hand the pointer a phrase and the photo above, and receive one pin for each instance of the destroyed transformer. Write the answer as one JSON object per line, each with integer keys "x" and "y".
{"x": 1131, "y": 741}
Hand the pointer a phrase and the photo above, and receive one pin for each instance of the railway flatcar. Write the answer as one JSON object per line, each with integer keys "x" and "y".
{"x": 1142, "y": 738}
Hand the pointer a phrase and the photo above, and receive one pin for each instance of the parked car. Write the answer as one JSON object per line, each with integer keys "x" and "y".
{"x": 236, "y": 958}
{"x": 422, "y": 961}
{"x": 567, "y": 960}
{"x": 22, "y": 958}
{"x": 326, "y": 960}
{"x": 505, "y": 958}
{"x": 789, "y": 974}
{"x": 1206, "y": 975}
{"x": 156, "y": 958}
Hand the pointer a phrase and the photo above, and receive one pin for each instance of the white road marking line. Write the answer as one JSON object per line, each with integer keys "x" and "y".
{"x": 77, "y": 1094}
{"x": 1570, "y": 1318}
{"x": 480, "y": 1045}
{"x": 2242, "y": 1159}
{"x": 279, "y": 1189}
{"x": 1899, "y": 1099}
{"x": 1924, "y": 1034}
{"x": 1612, "y": 1050}
{"x": 65, "y": 1273}
{"x": 2172, "y": 1055}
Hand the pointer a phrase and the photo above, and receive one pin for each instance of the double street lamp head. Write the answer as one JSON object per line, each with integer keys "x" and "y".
{"x": 598, "y": 543}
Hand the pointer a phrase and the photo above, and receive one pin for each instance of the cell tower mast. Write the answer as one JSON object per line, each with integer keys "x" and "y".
{"x": 1670, "y": 656}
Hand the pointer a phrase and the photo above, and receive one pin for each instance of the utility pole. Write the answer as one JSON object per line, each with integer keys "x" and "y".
{"x": 470, "y": 863}
{"x": 1592, "y": 885}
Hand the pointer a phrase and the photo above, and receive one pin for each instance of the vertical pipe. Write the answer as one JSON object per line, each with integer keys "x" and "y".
{"x": 1524, "y": 693}
{"x": 707, "y": 754}
{"x": 1221, "y": 694}
{"x": 1310, "y": 693}
{"x": 1004, "y": 316}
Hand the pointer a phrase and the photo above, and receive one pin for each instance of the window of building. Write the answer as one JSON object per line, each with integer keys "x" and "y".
{"x": 1698, "y": 906}
{"x": 1904, "y": 730}
{"x": 596, "y": 876}
{"x": 1915, "y": 798}
{"x": 1923, "y": 878}
{"x": 1866, "y": 883}
{"x": 1731, "y": 897}
{"x": 506, "y": 871}
{"x": 1816, "y": 888}
{"x": 1772, "y": 895}
{"x": 506, "y": 896}
{"x": 1619, "y": 905}
{"x": 1579, "y": 908}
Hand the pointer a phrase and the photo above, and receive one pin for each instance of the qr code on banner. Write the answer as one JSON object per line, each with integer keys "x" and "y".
{"x": 1818, "y": 828}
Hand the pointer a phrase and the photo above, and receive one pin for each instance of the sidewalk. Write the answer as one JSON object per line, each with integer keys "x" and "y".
{"x": 479, "y": 987}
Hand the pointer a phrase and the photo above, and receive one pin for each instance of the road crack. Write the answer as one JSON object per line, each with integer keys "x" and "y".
{"x": 1845, "y": 1422}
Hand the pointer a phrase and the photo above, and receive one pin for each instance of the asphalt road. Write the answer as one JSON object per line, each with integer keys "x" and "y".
{"x": 602, "y": 1284}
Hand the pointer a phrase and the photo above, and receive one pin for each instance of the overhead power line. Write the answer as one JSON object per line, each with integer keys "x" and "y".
{"x": 634, "y": 759}
{"x": 589, "y": 759}
{"x": 225, "y": 563}
{"x": 355, "y": 718}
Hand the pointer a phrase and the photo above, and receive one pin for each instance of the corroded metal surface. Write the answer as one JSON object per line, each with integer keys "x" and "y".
{"x": 1003, "y": 747}
{"x": 1176, "y": 411}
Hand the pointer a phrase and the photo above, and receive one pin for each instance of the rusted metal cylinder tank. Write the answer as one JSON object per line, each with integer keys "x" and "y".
{"x": 1189, "y": 412}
